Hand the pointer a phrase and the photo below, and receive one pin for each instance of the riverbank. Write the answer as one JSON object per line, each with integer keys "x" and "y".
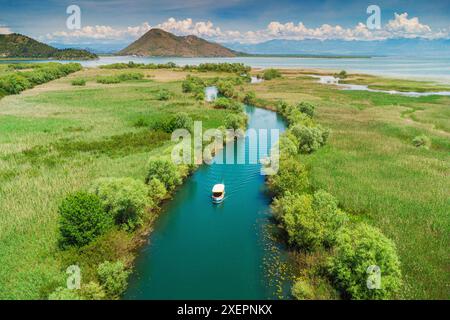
{"x": 376, "y": 172}
{"x": 57, "y": 139}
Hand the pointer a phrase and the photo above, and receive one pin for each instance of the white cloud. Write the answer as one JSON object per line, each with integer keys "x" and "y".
{"x": 400, "y": 27}
{"x": 5, "y": 30}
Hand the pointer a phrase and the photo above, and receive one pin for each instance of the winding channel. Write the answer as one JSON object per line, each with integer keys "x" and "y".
{"x": 199, "y": 250}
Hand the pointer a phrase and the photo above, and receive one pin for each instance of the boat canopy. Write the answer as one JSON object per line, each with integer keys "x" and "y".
{"x": 218, "y": 188}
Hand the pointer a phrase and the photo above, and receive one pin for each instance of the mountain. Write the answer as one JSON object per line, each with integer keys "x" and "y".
{"x": 157, "y": 42}
{"x": 404, "y": 47}
{"x": 19, "y": 46}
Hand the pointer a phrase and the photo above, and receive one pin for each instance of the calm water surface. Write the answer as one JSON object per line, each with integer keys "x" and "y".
{"x": 199, "y": 250}
{"x": 433, "y": 68}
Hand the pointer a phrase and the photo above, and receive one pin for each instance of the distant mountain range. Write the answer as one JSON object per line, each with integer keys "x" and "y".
{"x": 405, "y": 47}
{"x": 157, "y": 42}
{"x": 19, "y": 46}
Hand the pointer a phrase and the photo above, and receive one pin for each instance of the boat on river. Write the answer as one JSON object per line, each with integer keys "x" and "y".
{"x": 218, "y": 193}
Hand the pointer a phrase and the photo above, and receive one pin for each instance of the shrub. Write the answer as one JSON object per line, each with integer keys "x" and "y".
{"x": 163, "y": 95}
{"x": 193, "y": 84}
{"x": 422, "y": 141}
{"x": 166, "y": 172}
{"x": 310, "y": 138}
{"x": 229, "y": 104}
{"x": 235, "y": 121}
{"x": 125, "y": 199}
{"x": 250, "y": 98}
{"x": 93, "y": 291}
{"x": 270, "y": 74}
{"x": 62, "y": 293}
{"x": 156, "y": 190}
{"x": 292, "y": 177}
{"x": 226, "y": 88}
{"x": 14, "y": 83}
{"x": 113, "y": 278}
{"x": 357, "y": 249}
{"x": 130, "y": 76}
{"x": 82, "y": 219}
{"x": 181, "y": 121}
{"x": 282, "y": 107}
{"x": 108, "y": 80}
{"x": 311, "y": 221}
{"x": 296, "y": 117}
{"x": 200, "y": 96}
{"x": 302, "y": 290}
{"x": 307, "y": 108}
{"x": 288, "y": 145}
{"x": 79, "y": 82}
{"x": 341, "y": 75}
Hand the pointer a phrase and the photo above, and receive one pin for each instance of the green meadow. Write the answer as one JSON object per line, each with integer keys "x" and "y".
{"x": 56, "y": 139}
{"x": 371, "y": 165}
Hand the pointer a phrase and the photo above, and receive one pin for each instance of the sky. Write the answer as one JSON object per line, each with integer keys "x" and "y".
{"x": 245, "y": 21}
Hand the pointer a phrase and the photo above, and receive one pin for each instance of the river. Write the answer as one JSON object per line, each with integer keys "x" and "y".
{"x": 199, "y": 250}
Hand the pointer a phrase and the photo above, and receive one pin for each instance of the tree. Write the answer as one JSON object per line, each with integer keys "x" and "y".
{"x": 292, "y": 177}
{"x": 165, "y": 171}
{"x": 126, "y": 200}
{"x": 310, "y": 138}
{"x": 307, "y": 108}
{"x": 360, "y": 250}
{"x": 270, "y": 74}
{"x": 82, "y": 219}
{"x": 156, "y": 190}
{"x": 311, "y": 221}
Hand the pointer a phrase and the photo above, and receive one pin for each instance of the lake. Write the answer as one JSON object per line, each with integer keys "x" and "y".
{"x": 199, "y": 250}
{"x": 433, "y": 68}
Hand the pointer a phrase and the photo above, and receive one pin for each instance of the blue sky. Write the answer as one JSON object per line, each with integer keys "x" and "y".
{"x": 224, "y": 21}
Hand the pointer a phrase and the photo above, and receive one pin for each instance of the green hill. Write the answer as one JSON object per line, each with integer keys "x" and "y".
{"x": 19, "y": 46}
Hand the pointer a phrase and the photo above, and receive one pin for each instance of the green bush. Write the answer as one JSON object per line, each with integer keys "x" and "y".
{"x": 193, "y": 84}
{"x": 163, "y": 95}
{"x": 166, "y": 172}
{"x": 200, "y": 96}
{"x": 79, "y": 82}
{"x": 288, "y": 145}
{"x": 82, "y": 219}
{"x": 306, "y": 108}
{"x": 181, "y": 121}
{"x": 92, "y": 291}
{"x": 14, "y": 83}
{"x": 296, "y": 117}
{"x": 310, "y": 138}
{"x": 292, "y": 177}
{"x": 226, "y": 88}
{"x": 156, "y": 190}
{"x": 229, "y": 104}
{"x": 130, "y": 76}
{"x": 108, "y": 80}
{"x": 311, "y": 221}
{"x": 62, "y": 293}
{"x": 270, "y": 74}
{"x": 113, "y": 278}
{"x": 125, "y": 199}
{"x": 235, "y": 121}
{"x": 250, "y": 98}
{"x": 422, "y": 141}
{"x": 302, "y": 290}
{"x": 357, "y": 249}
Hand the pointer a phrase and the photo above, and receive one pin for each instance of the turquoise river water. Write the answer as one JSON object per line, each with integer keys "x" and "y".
{"x": 199, "y": 250}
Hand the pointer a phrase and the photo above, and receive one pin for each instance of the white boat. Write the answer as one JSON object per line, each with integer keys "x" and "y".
{"x": 218, "y": 193}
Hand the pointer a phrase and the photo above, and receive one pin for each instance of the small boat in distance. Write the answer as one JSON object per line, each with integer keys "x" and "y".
{"x": 218, "y": 193}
